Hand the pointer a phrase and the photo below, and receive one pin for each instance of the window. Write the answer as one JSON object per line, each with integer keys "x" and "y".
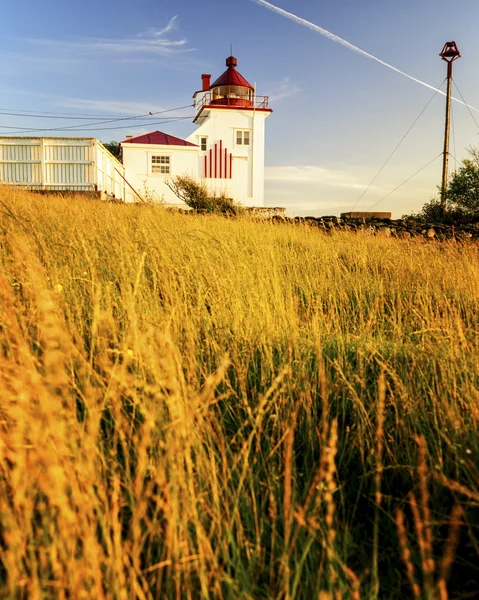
{"x": 242, "y": 137}
{"x": 203, "y": 142}
{"x": 160, "y": 164}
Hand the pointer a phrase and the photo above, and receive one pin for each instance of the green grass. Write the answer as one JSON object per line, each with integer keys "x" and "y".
{"x": 199, "y": 407}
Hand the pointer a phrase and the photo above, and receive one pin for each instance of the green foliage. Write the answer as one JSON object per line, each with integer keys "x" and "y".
{"x": 462, "y": 195}
{"x": 200, "y": 198}
{"x": 463, "y": 189}
{"x": 114, "y": 148}
{"x": 432, "y": 212}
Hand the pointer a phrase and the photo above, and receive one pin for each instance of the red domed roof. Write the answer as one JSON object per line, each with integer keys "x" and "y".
{"x": 231, "y": 76}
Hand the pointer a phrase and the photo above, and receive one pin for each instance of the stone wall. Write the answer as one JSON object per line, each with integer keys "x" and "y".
{"x": 265, "y": 212}
{"x": 402, "y": 228}
{"x": 366, "y": 215}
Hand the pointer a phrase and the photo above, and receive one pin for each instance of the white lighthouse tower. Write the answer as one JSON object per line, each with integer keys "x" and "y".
{"x": 230, "y": 135}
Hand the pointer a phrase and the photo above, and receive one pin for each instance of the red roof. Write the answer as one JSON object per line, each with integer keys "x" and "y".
{"x": 231, "y": 76}
{"x": 159, "y": 138}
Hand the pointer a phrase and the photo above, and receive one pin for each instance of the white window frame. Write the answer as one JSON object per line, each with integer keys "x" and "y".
{"x": 240, "y": 137}
{"x": 161, "y": 165}
{"x": 201, "y": 138}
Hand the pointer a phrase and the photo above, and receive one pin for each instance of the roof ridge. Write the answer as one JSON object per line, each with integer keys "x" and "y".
{"x": 158, "y": 138}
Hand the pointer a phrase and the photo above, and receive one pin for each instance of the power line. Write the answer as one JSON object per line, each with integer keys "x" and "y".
{"x": 404, "y": 182}
{"x": 26, "y": 129}
{"x": 49, "y": 112}
{"x": 454, "y": 159}
{"x": 175, "y": 119}
{"x": 114, "y": 120}
{"x": 80, "y": 127}
{"x": 470, "y": 112}
{"x": 397, "y": 147}
{"x": 73, "y": 118}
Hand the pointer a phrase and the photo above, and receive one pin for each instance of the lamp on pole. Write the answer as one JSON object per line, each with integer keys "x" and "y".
{"x": 449, "y": 53}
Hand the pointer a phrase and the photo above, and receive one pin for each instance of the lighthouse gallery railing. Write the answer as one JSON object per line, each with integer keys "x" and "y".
{"x": 233, "y": 100}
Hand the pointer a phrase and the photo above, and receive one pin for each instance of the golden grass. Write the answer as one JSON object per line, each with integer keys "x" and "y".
{"x": 195, "y": 407}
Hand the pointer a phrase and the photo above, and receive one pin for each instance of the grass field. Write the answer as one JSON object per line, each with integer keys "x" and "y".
{"x": 197, "y": 407}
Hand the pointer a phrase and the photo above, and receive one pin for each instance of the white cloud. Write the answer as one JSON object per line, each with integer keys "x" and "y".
{"x": 282, "y": 90}
{"x": 153, "y": 41}
{"x": 337, "y": 176}
{"x": 171, "y": 25}
{"x": 321, "y": 190}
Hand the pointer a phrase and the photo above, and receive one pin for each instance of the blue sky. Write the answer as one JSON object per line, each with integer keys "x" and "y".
{"x": 337, "y": 114}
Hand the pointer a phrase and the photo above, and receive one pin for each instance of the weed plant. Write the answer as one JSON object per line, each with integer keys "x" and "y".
{"x": 206, "y": 408}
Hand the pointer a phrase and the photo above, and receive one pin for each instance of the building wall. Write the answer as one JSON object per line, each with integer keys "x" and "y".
{"x": 241, "y": 179}
{"x": 221, "y": 124}
{"x": 137, "y": 159}
{"x": 257, "y": 176}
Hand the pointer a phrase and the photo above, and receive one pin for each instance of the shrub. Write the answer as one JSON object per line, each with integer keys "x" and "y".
{"x": 199, "y": 197}
{"x": 462, "y": 195}
{"x": 432, "y": 212}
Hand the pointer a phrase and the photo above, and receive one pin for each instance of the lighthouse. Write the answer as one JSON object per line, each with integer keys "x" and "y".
{"x": 231, "y": 135}
{"x": 226, "y": 150}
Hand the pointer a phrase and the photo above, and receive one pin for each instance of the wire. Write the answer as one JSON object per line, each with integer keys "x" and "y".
{"x": 467, "y": 105}
{"x": 397, "y": 147}
{"x": 175, "y": 119}
{"x": 454, "y": 159}
{"x": 73, "y": 118}
{"x": 115, "y": 120}
{"x": 49, "y": 112}
{"x": 26, "y": 129}
{"x": 81, "y": 128}
{"x": 404, "y": 182}
{"x": 51, "y": 115}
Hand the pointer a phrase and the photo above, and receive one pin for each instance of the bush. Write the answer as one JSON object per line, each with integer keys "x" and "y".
{"x": 463, "y": 189}
{"x": 200, "y": 198}
{"x": 462, "y": 195}
{"x": 115, "y": 149}
{"x": 432, "y": 212}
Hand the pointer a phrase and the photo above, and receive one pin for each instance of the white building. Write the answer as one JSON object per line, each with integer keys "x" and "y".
{"x": 226, "y": 151}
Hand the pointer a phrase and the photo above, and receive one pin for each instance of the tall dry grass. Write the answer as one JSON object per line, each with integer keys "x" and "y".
{"x": 194, "y": 407}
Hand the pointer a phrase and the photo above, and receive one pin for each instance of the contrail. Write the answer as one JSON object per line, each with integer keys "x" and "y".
{"x": 339, "y": 40}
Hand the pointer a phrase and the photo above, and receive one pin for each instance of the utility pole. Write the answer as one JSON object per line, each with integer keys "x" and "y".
{"x": 449, "y": 53}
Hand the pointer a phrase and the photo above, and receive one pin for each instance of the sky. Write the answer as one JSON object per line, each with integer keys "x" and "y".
{"x": 338, "y": 114}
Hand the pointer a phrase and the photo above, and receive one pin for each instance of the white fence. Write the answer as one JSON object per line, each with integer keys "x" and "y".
{"x": 55, "y": 164}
